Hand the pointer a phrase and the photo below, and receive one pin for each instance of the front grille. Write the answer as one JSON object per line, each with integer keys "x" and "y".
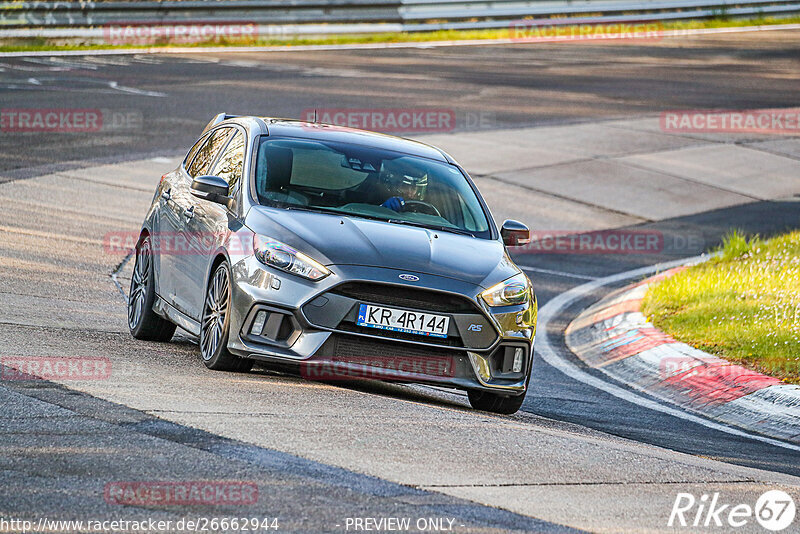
{"x": 445, "y": 342}
{"x": 405, "y": 297}
{"x": 361, "y": 347}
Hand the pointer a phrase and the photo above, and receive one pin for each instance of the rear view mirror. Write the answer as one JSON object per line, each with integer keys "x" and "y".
{"x": 515, "y": 234}
{"x": 211, "y": 188}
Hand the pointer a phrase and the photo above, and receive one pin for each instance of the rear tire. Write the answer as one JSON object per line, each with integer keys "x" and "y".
{"x": 492, "y": 402}
{"x": 215, "y": 324}
{"x": 142, "y": 320}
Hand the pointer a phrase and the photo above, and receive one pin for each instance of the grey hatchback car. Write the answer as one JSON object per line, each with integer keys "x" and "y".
{"x": 343, "y": 253}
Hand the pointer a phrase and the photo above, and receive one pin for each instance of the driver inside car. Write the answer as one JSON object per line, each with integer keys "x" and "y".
{"x": 402, "y": 182}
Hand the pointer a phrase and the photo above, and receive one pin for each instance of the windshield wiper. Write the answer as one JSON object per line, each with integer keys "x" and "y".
{"x": 451, "y": 229}
{"x": 334, "y": 211}
{"x": 312, "y": 208}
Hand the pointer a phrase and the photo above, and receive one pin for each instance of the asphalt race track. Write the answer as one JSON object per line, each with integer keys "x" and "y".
{"x": 528, "y": 118}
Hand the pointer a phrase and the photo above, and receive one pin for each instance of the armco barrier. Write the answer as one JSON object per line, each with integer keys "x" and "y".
{"x": 305, "y": 17}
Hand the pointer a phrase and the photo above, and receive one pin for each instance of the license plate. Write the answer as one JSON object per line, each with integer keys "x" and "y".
{"x": 409, "y": 322}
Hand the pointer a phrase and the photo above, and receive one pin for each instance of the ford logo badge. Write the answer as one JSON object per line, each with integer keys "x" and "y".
{"x": 409, "y": 277}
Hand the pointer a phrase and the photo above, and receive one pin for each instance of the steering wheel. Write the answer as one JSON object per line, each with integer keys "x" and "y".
{"x": 417, "y": 206}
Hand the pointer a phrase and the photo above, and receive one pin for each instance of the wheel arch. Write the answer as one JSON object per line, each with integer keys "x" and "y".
{"x": 144, "y": 232}
{"x": 220, "y": 256}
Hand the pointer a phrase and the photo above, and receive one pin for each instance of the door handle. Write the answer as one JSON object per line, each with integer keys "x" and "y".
{"x": 166, "y": 195}
{"x": 189, "y": 213}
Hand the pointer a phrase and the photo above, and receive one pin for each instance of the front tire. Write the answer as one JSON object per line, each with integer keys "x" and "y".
{"x": 492, "y": 402}
{"x": 215, "y": 324}
{"x": 142, "y": 320}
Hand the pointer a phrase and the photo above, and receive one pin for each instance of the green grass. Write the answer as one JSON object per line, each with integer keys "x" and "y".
{"x": 743, "y": 305}
{"x": 39, "y": 44}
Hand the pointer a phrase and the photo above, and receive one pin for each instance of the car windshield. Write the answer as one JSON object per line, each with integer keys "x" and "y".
{"x": 361, "y": 181}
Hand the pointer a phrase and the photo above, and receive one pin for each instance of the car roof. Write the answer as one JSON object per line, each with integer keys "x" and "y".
{"x": 330, "y": 132}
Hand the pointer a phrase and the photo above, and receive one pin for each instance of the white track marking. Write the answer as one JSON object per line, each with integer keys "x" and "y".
{"x": 544, "y": 346}
{"x": 557, "y": 273}
{"x": 40, "y": 65}
{"x": 54, "y": 64}
{"x": 364, "y": 46}
{"x": 100, "y": 85}
{"x": 134, "y": 91}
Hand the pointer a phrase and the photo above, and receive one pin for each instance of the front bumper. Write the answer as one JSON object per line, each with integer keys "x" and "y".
{"x": 311, "y": 325}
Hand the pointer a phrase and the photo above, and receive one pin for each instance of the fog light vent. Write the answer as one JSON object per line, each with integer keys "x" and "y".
{"x": 510, "y": 361}
{"x": 519, "y": 359}
{"x": 258, "y": 323}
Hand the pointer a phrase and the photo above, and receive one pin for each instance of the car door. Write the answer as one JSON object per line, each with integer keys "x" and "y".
{"x": 167, "y": 224}
{"x": 211, "y": 222}
{"x": 184, "y": 253}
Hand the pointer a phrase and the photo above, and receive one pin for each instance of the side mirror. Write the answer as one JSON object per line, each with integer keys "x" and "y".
{"x": 211, "y": 188}
{"x": 515, "y": 233}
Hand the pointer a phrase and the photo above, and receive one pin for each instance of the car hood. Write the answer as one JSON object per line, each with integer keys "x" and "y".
{"x": 344, "y": 240}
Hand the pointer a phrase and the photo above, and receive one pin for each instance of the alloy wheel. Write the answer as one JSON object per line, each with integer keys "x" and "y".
{"x": 139, "y": 281}
{"x": 215, "y": 311}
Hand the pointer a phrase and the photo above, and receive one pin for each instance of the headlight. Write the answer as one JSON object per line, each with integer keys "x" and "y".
{"x": 281, "y": 256}
{"x": 515, "y": 290}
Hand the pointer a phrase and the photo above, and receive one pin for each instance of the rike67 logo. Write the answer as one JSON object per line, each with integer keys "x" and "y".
{"x": 775, "y": 511}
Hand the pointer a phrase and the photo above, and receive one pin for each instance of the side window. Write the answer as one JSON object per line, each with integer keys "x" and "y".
{"x": 193, "y": 151}
{"x": 230, "y": 163}
{"x": 206, "y": 153}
